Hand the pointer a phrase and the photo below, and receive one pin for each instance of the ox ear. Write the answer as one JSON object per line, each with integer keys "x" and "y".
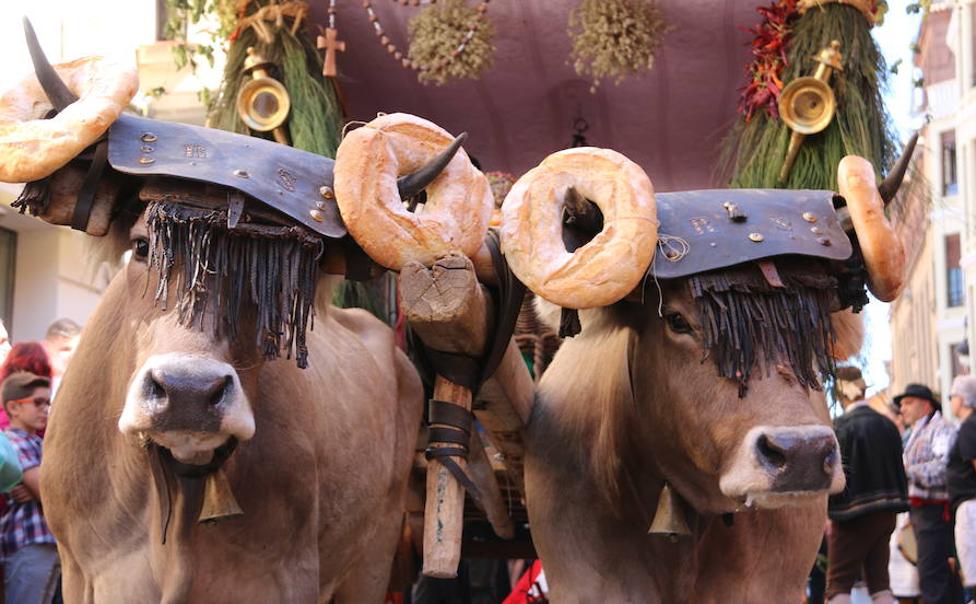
{"x": 848, "y": 328}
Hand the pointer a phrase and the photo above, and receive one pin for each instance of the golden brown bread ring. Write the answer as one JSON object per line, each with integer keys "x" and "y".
{"x": 613, "y": 263}
{"x": 368, "y": 163}
{"x": 883, "y": 251}
{"x": 31, "y": 147}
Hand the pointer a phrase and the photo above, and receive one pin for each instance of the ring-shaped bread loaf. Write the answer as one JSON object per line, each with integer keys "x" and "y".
{"x": 459, "y": 201}
{"x": 881, "y": 248}
{"x": 609, "y": 266}
{"x": 32, "y": 147}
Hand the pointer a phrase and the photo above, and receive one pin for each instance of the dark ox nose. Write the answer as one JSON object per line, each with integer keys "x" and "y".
{"x": 187, "y": 400}
{"x": 797, "y": 462}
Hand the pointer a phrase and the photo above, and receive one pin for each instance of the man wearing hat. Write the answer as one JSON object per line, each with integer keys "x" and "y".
{"x": 926, "y": 456}
{"x": 862, "y": 516}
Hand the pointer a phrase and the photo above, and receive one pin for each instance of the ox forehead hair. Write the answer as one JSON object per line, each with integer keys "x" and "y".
{"x": 221, "y": 270}
{"x": 749, "y": 324}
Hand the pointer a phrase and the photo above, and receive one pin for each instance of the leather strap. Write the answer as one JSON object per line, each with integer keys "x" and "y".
{"x": 453, "y": 427}
{"x": 443, "y": 412}
{"x": 86, "y": 195}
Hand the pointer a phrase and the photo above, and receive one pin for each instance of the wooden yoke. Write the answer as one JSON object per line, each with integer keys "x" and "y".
{"x": 452, "y": 312}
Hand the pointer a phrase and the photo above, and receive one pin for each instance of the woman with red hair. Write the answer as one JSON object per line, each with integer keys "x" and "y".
{"x": 24, "y": 356}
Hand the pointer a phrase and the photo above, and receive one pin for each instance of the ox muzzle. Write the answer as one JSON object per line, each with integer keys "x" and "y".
{"x": 775, "y": 465}
{"x": 189, "y": 404}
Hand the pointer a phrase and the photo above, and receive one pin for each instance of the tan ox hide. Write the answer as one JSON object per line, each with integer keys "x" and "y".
{"x": 603, "y": 440}
{"x": 320, "y": 471}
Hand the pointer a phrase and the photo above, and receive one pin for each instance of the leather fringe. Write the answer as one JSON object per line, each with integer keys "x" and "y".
{"x": 749, "y": 324}
{"x": 220, "y": 270}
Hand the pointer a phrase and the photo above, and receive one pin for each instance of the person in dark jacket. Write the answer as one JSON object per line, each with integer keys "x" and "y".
{"x": 961, "y": 476}
{"x": 862, "y": 516}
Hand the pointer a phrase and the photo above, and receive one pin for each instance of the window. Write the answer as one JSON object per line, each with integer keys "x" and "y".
{"x": 958, "y": 353}
{"x": 956, "y": 292}
{"x": 949, "y": 184}
{"x": 8, "y": 259}
{"x": 164, "y": 25}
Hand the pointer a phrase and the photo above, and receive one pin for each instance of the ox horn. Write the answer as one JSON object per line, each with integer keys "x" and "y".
{"x": 882, "y": 250}
{"x": 411, "y": 184}
{"x": 54, "y": 87}
{"x": 889, "y": 187}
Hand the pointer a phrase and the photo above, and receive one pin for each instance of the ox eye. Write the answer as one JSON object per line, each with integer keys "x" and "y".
{"x": 140, "y": 249}
{"x": 677, "y": 323}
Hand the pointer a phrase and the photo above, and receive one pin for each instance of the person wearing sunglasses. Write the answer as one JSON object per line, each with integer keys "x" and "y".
{"x": 29, "y": 550}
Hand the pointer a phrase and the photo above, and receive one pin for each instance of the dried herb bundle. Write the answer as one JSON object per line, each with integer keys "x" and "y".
{"x": 439, "y": 31}
{"x": 613, "y": 39}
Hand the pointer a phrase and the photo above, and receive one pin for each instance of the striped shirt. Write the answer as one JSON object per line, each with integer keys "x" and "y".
{"x": 23, "y": 523}
{"x": 926, "y": 456}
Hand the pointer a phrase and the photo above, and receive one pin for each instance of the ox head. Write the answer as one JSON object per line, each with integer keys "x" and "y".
{"x": 719, "y": 389}
{"x": 217, "y": 281}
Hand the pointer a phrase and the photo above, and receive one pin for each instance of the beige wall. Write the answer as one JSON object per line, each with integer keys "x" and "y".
{"x": 914, "y": 356}
{"x": 54, "y": 276}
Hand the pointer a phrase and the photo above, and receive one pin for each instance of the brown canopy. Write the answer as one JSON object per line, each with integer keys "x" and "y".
{"x": 670, "y": 120}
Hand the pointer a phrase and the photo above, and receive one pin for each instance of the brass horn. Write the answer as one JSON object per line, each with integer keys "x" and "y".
{"x": 411, "y": 184}
{"x": 263, "y": 103}
{"x": 54, "y": 87}
{"x": 218, "y": 499}
{"x": 669, "y": 519}
{"x": 807, "y": 105}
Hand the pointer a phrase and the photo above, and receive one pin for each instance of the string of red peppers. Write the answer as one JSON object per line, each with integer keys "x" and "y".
{"x": 769, "y": 59}
{"x": 771, "y": 38}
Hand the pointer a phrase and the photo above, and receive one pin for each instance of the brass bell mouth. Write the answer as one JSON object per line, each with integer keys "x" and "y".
{"x": 263, "y": 104}
{"x": 807, "y": 105}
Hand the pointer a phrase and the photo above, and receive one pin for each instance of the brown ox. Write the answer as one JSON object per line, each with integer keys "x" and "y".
{"x": 320, "y": 471}
{"x": 155, "y": 401}
{"x": 599, "y": 448}
{"x": 704, "y": 381}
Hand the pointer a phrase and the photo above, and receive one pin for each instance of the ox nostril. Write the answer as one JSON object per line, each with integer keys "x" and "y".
{"x": 771, "y": 451}
{"x": 187, "y": 386}
{"x": 830, "y": 459}
{"x": 225, "y": 386}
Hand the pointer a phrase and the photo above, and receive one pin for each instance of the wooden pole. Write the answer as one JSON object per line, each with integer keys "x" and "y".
{"x": 451, "y": 312}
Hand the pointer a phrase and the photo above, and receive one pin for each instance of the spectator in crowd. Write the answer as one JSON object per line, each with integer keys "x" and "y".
{"x": 31, "y": 567}
{"x": 60, "y": 343}
{"x": 961, "y": 476}
{"x": 926, "y": 456}
{"x": 24, "y": 356}
{"x": 863, "y": 515}
{"x": 4, "y": 342}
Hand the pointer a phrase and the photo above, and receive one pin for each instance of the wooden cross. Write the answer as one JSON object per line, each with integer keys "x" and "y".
{"x": 331, "y": 44}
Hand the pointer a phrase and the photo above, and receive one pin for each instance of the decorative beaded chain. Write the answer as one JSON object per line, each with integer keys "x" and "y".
{"x": 397, "y": 54}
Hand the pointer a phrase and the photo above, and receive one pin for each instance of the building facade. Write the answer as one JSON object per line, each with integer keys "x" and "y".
{"x": 930, "y": 322}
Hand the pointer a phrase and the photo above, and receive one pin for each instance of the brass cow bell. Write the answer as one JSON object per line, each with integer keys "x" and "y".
{"x": 263, "y": 103}
{"x": 669, "y": 519}
{"x": 807, "y": 105}
{"x": 218, "y": 499}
